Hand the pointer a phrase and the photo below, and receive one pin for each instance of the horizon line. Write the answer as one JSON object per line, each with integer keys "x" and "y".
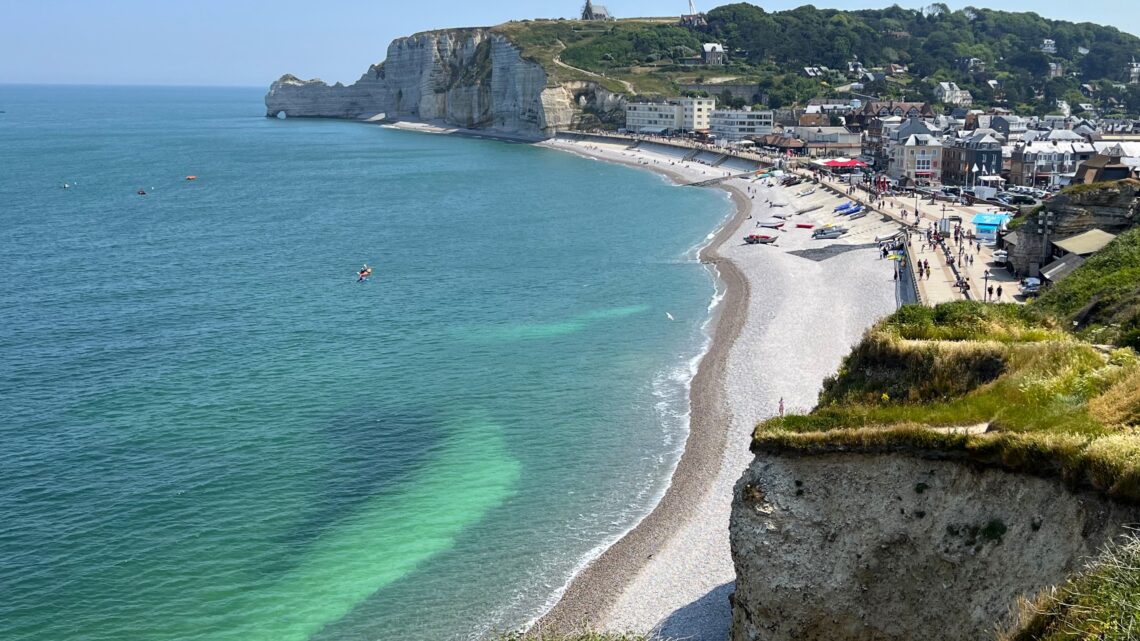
{"x": 4, "y": 83}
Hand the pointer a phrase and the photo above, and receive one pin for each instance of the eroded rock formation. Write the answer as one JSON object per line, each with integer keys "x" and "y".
{"x": 845, "y": 547}
{"x": 469, "y": 78}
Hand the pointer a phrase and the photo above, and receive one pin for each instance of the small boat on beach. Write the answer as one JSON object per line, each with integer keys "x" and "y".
{"x": 804, "y": 225}
{"x": 806, "y": 192}
{"x": 774, "y": 223}
{"x": 858, "y": 214}
{"x": 759, "y": 239}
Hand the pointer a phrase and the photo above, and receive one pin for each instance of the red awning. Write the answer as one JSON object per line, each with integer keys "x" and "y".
{"x": 844, "y": 163}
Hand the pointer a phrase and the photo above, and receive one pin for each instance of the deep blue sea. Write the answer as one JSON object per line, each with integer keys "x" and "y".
{"x": 210, "y": 431}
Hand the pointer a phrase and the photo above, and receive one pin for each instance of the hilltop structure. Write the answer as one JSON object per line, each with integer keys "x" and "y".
{"x": 595, "y": 13}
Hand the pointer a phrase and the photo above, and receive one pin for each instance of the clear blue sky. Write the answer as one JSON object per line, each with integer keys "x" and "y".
{"x": 238, "y": 42}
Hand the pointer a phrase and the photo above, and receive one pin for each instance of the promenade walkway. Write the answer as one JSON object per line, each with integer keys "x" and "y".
{"x": 941, "y": 286}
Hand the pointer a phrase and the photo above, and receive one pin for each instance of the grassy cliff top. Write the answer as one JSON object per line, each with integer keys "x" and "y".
{"x": 1007, "y": 386}
{"x": 988, "y": 383}
{"x": 603, "y": 52}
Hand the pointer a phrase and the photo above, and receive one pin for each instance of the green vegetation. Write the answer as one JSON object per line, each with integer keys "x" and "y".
{"x": 650, "y": 56}
{"x": 1005, "y": 386}
{"x": 1102, "y": 603}
{"x": 1103, "y": 296}
{"x": 624, "y": 56}
{"x": 999, "y": 384}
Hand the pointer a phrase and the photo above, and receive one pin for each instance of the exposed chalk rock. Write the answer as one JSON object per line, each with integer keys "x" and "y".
{"x": 469, "y": 78}
{"x": 846, "y": 547}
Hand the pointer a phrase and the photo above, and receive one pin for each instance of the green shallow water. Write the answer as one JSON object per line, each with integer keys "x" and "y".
{"x": 209, "y": 431}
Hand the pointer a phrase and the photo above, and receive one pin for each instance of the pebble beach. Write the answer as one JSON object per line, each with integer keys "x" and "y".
{"x": 787, "y": 318}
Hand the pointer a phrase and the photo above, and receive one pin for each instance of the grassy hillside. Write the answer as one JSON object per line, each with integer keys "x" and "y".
{"x": 1103, "y": 296}
{"x": 770, "y": 48}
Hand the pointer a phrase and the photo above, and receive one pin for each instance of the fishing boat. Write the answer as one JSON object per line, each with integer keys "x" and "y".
{"x": 759, "y": 239}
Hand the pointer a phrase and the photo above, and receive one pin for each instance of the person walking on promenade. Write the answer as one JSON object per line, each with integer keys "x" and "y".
{"x": 990, "y": 293}
{"x": 999, "y": 292}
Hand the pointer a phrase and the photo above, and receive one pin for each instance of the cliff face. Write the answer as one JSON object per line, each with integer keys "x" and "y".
{"x": 846, "y": 547}
{"x": 469, "y": 78}
{"x": 1111, "y": 208}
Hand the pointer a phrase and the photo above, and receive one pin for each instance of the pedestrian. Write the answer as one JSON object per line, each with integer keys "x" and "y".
{"x": 999, "y": 292}
{"x": 990, "y": 292}
{"x": 781, "y": 406}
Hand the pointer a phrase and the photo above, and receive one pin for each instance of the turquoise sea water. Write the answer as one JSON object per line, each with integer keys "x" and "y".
{"x": 208, "y": 431}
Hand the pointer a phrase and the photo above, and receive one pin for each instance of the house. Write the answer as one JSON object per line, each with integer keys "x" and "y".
{"x": 895, "y": 70}
{"x": 1045, "y": 163}
{"x": 951, "y": 94}
{"x": 917, "y": 161}
{"x": 972, "y": 64}
{"x": 713, "y": 53}
{"x": 1133, "y": 72}
{"x": 886, "y": 108}
{"x": 967, "y": 159}
{"x": 1106, "y": 165}
{"x": 1013, "y": 128}
{"x": 1049, "y": 46}
{"x": 594, "y": 13}
{"x": 1056, "y": 70}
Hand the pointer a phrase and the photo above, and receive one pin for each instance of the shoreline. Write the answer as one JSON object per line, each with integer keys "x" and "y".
{"x": 597, "y": 585}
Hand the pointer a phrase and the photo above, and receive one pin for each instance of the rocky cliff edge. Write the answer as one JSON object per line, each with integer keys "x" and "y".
{"x": 466, "y": 78}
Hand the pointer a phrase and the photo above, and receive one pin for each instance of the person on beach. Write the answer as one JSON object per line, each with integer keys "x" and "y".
{"x": 781, "y": 406}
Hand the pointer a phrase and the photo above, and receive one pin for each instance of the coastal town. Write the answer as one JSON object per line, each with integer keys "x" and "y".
{"x": 982, "y": 176}
{"x": 748, "y": 323}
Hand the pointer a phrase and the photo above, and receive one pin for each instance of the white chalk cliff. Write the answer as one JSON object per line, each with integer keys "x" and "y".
{"x": 468, "y": 78}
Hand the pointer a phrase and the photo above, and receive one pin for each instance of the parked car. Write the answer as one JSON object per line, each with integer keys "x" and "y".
{"x": 1001, "y": 256}
{"x": 1029, "y": 287}
{"x": 1022, "y": 199}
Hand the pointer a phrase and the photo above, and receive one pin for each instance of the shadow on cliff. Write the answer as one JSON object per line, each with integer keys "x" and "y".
{"x": 706, "y": 619}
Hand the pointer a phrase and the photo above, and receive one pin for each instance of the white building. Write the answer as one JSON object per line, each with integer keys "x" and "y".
{"x": 737, "y": 124}
{"x": 695, "y": 113}
{"x": 681, "y": 114}
{"x": 652, "y": 117}
{"x": 1048, "y": 45}
{"x": 951, "y": 94}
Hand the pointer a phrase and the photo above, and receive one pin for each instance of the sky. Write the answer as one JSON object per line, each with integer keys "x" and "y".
{"x": 253, "y": 42}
